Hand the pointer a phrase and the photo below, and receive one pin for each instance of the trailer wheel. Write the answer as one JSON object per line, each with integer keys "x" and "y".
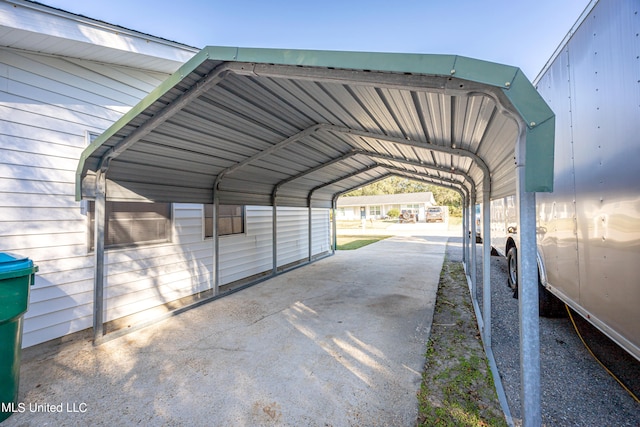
{"x": 512, "y": 268}
{"x": 548, "y": 304}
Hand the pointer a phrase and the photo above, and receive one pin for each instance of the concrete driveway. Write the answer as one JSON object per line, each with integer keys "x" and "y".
{"x": 336, "y": 343}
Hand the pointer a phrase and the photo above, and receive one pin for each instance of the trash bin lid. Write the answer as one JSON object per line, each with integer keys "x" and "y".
{"x": 12, "y": 264}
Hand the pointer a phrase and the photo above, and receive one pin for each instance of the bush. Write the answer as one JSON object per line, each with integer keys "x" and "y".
{"x": 393, "y": 213}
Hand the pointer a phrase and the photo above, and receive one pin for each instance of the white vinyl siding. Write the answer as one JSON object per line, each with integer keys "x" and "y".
{"x": 137, "y": 279}
{"x": 293, "y": 235}
{"x": 321, "y": 241}
{"x": 47, "y": 105}
{"x": 251, "y": 253}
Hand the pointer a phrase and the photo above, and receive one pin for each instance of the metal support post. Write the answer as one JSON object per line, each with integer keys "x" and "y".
{"x": 274, "y": 237}
{"x": 528, "y": 295}
{"x": 472, "y": 249}
{"x": 216, "y": 244}
{"x": 98, "y": 254}
{"x": 486, "y": 266}
{"x": 335, "y": 225}
{"x": 310, "y": 230}
{"x": 465, "y": 221}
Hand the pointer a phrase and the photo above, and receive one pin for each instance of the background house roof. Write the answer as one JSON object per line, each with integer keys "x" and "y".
{"x": 385, "y": 199}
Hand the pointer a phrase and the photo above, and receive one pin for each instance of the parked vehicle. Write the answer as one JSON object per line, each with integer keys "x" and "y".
{"x": 435, "y": 213}
{"x": 588, "y": 229}
{"x": 408, "y": 215}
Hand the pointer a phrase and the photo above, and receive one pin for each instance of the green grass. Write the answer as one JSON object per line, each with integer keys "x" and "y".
{"x": 348, "y": 243}
{"x": 457, "y": 387}
{"x": 377, "y": 224}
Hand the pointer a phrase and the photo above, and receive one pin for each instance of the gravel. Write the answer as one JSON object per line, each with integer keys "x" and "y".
{"x": 576, "y": 390}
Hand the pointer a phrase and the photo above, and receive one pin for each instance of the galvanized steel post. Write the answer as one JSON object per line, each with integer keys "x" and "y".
{"x": 98, "y": 255}
{"x": 274, "y": 236}
{"x": 310, "y": 229}
{"x": 465, "y": 220}
{"x": 486, "y": 263}
{"x": 216, "y": 244}
{"x": 472, "y": 249}
{"x": 334, "y": 205}
{"x": 528, "y": 294}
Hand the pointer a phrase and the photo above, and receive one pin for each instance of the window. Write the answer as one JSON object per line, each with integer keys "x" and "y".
{"x": 414, "y": 207}
{"x": 230, "y": 220}
{"x": 374, "y": 210}
{"x": 133, "y": 223}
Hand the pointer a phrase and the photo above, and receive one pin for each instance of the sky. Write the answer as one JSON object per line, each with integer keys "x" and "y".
{"x": 523, "y": 33}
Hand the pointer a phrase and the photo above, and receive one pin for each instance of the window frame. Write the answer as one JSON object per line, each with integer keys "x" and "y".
{"x": 168, "y": 216}
{"x": 207, "y": 220}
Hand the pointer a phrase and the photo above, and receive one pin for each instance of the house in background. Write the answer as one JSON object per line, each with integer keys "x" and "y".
{"x": 65, "y": 79}
{"x": 378, "y": 207}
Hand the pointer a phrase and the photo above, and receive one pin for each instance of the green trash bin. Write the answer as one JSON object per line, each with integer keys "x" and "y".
{"x": 16, "y": 276}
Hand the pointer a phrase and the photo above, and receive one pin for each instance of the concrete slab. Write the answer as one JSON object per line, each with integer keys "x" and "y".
{"x": 336, "y": 343}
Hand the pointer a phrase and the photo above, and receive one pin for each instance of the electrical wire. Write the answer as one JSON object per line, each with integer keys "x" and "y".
{"x": 598, "y": 360}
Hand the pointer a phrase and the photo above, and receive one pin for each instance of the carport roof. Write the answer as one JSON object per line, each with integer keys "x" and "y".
{"x": 302, "y": 127}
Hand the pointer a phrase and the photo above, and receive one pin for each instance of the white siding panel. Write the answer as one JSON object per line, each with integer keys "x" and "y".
{"x": 321, "y": 228}
{"x": 63, "y": 77}
{"x": 142, "y": 278}
{"x": 293, "y": 235}
{"x": 250, "y": 253}
{"x": 47, "y": 105}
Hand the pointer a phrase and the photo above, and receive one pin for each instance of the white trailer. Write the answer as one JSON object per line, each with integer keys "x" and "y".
{"x": 588, "y": 229}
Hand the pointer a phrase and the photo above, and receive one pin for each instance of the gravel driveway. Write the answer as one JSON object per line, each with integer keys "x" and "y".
{"x": 576, "y": 390}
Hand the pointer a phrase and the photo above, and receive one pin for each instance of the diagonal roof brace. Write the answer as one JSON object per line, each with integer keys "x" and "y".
{"x": 315, "y": 169}
{"x": 344, "y": 177}
{"x": 427, "y": 146}
{"x": 317, "y": 128}
{"x": 199, "y": 88}
{"x": 420, "y": 165}
{"x": 413, "y": 174}
{"x": 280, "y": 145}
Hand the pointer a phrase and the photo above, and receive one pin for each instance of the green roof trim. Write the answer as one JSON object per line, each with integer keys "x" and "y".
{"x": 385, "y": 62}
{"x": 527, "y": 101}
{"x": 484, "y": 72}
{"x": 539, "y": 157}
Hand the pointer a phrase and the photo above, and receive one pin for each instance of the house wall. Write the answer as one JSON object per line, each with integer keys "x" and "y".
{"x": 293, "y": 235}
{"x": 321, "y": 237}
{"x": 47, "y": 106}
{"x": 353, "y": 212}
{"x": 250, "y": 253}
{"x": 348, "y": 212}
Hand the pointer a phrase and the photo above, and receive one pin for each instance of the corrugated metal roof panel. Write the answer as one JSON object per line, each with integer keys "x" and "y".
{"x": 285, "y": 122}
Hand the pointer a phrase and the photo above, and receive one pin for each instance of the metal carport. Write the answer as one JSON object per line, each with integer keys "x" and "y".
{"x": 298, "y": 128}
